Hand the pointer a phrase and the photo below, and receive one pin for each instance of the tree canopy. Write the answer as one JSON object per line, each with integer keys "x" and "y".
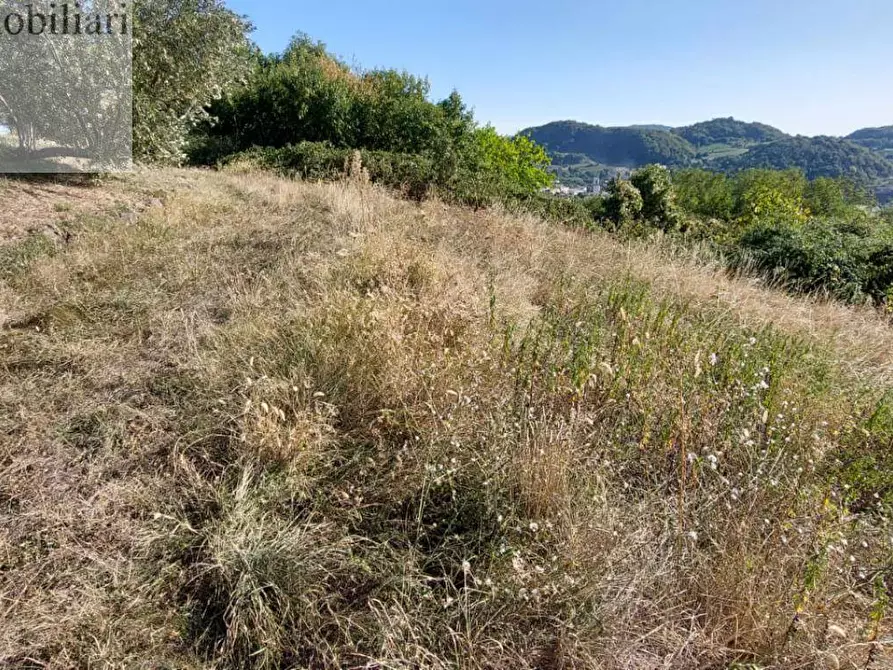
{"x": 186, "y": 53}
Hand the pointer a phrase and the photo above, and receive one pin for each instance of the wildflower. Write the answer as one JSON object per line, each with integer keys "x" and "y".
{"x": 693, "y": 536}
{"x": 534, "y": 527}
{"x": 714, "y": 359}
{"x": 466, "y": 567}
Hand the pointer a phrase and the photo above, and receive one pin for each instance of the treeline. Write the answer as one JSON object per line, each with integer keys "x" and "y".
{"x": 823, "y": 235}
{"x": 724, "y": 145}
{"x": 305, "y": 112}
{"x": 203, "y": 94}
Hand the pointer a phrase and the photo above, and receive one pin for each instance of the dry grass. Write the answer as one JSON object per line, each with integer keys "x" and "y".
{"x": 274, "y": 424}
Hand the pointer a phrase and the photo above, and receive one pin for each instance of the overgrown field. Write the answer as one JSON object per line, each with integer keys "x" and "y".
{"x": 247, "y": 422}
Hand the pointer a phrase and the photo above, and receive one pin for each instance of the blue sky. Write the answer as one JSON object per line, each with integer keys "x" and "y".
{"x": 811, "y": 68}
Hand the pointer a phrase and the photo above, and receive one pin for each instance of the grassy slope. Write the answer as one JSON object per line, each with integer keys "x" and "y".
{"x": 278, "y": 424}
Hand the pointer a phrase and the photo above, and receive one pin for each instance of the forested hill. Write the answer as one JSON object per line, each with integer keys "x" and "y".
{"x": 627, "y": 146}
{"x": 877, "y": 139}
{"x": 817, "y": 157}
{"x": 728, "y": 131}
{"x": 725, "y": 144}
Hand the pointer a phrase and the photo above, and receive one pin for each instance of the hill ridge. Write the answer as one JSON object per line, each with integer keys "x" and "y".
{"x": 723, "y": 144}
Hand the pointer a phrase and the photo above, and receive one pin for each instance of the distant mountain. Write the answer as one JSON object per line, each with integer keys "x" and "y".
{"x": 621, "y": 147}
{"x": 729, "y": 131}
{"x": 817, "y": 157}
{"x": 582, "y": 151}
{"x": 876, "y": 139}
{"x": 651, "y": 126}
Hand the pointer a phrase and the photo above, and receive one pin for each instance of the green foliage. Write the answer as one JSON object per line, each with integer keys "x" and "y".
{"x": 816, "y": 156}
{"x": 518, "y": 160}
{"x": 495, "y": 168}
{"x": 813, "y": 235}
{"x": 770, "y": 196}
{"x": 512, "y": 176}
{"x": 658, "y": 197}
{"x": 624, "y": 203}
{"x": 308, "y": 95}
{"x": 312, "y": 161}
{"x": 186, "y": 53}
{"x": 851, "y": 262}
{"x": 313, "y": 109}
{"x": 810, "y": 236}
{"x": 827, "y": 196}
{"x": 878, "y": 139}
{"x": 728, "y": 131}
{"x": 574, "y": 212}
{"x": 412, "y": 174}
{"x": 703, "y": 193}
{"x": 631, "y": 147}
{"x": 864, "y": 468}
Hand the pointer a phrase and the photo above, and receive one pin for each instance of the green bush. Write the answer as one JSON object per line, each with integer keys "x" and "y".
{"x": 576, "y": 212}
{"x": 414, "y": 175}
{"x": 624, "y": 203}
{"x": 704, "y": 194}
{"x": 852, "y": 263}
{"x": 313, "y": 161}
{"x": 658, "y": 197}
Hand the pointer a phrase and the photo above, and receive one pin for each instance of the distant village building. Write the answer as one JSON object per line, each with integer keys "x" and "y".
{"x": 566, "y": 191}
{"x": 596, "y": 187}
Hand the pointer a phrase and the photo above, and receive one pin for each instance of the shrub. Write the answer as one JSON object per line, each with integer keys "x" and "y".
{"x": 704, "y": 194}
{"x": 568, "y": 211}
{"x": 624, "y": 203}
{"x": 830, "y": 255}
{"x": 658, "y": 197}
{"x": 313, "y": 161}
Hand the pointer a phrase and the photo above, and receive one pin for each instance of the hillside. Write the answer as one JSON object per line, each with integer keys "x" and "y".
{"x": 877, "y": 139}
{"x": 721, "y": 144}
{"x": 817, "y": 157}
{"x": 728, "y": 131}
{"x": 249, "y": 422}
{"x": 620, "y": 147}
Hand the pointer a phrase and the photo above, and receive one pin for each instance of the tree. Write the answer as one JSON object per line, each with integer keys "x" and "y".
{"x": 624, "y": 203}
{"x": 658, "y": 198}
{"x": 494, "y": 167}
{"x": 309, "y": 95}
{"x": 186, "y": 53}
{"x": 704, "y": 193}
